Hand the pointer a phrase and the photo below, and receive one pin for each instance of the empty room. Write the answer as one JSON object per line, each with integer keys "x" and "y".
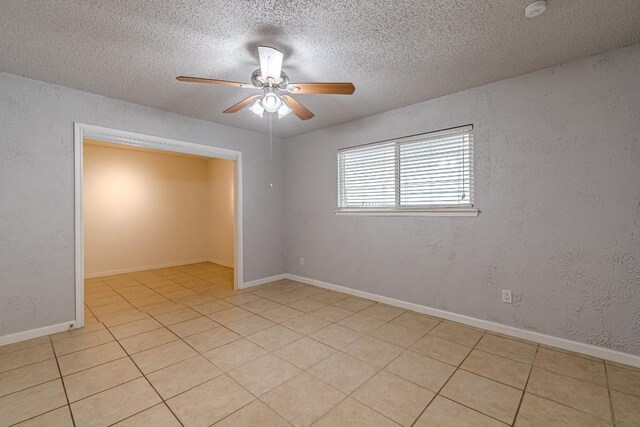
{"x": 320, "y": 213}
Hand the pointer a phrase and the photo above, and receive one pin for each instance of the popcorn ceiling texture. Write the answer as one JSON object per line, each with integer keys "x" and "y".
{"x": 37, "y": 192}
{"x": 557, "y": 181}
{"x": 396, "y": 52}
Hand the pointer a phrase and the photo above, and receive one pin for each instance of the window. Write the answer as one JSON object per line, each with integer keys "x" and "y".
{"x": 431, "y": 172}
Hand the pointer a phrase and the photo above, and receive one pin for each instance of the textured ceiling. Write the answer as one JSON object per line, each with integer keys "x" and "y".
{"x": 395, "y": 52}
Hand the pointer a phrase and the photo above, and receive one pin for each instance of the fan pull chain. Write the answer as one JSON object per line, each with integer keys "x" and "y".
{"x": 270, "y": 152}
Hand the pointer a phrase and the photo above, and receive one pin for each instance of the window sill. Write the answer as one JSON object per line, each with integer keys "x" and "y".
{"x": 466, "y": 211}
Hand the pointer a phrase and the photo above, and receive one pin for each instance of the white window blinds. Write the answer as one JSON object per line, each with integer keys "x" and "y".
{"x": 424, "y": 171}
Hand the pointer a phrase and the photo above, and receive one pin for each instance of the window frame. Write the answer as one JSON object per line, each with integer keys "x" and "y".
{"x": 398, "y": 210}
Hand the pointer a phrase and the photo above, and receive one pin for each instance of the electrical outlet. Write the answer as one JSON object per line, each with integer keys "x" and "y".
{"x": 506, "y": 296}
{"x": 301, "y": 261}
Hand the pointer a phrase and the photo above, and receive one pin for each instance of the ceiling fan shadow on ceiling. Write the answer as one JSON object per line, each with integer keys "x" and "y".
{"x": 271, "y": 79}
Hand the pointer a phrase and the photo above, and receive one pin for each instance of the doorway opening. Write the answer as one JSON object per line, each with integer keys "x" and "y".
{"x": 158, "y": 223}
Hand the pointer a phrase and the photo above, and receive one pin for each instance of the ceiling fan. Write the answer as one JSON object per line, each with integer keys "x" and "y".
{"x": 270, "y": 79}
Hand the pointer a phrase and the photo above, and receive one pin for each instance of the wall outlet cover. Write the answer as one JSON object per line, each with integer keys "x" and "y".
{"x": 506, "y": 296}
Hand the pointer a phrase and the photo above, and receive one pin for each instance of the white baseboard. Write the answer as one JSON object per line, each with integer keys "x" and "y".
{"x": 146, "y": 267}
{"x": 36, "y": 333}
{"x": 262, "y": 281}
{"x": 222, "y": 263}
{"x": 578, "y": 347}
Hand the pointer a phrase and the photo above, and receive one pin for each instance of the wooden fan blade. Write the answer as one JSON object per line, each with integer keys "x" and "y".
{"x": 298, "y": 109}
{"x": 322, "y": 88}
{"x": 240, "y": 105}
{"x": 215, "y": 82}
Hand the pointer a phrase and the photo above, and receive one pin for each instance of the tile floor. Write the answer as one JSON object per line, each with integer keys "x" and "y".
{"x": 178, "y": 346}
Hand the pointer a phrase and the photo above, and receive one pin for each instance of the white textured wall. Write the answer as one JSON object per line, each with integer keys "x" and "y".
{"x": 36, "y": 192}
{"x": 557, "y": 173}
{"x": 144, "y": 209}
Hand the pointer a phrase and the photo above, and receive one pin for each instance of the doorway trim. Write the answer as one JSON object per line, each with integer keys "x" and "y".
{"x": 82, "y": 131}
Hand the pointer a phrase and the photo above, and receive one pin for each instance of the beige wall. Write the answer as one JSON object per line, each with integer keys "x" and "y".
{"x": 221, "y": 202}
{"x": 146, "y": 209}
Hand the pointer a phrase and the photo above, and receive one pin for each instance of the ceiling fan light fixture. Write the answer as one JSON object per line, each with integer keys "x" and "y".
{"x": 257, "y": 108}
{"x": 283, "y": 110}
{"x": 271, "y": 102}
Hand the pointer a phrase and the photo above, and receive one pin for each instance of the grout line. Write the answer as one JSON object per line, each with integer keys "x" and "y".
{"x": 64, "y": 387}
{"x": 613, "y": 414}
{"x": 526, "y": 384}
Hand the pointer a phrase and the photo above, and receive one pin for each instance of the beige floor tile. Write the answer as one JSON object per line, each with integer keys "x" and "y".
{"x": 457, "y": 333}
{"x": 60, "y": 417}
{"x": 443, "y": 412}
{"x": 108, "y": 299}
{"x": 306, "y": 324}
{"x": 81, "y": 342}
{"x": 569, "y": 391}
{"x": 182, "y": 376}
{"x": 267, "y": 292}
{"x": 134, "y": 328}
{"x": 440, "y": 349}
{"x": 212, "y": 338}
{"x": 162, "y": 307}
{"x": 501, "y": 369}
{"x": 505, "y": 347}
{"x": 624, "y": 380}
{"x": 286, "y": 297}
{"x": 90, "y": 357}
{"x": 263, "y": 374}
{"x": 28, "y": 376}
{"x": 147, "y": 340}
{"x": 274, "y": 337}
{"x": 100, "y": 378}
{"x": 354, "y": 303}
{"x": 111, "y": 308}
{"x": 141, "y": 302}
{"x": 235, "y": 354}
{"x": 303, "y": 399}
{"x": 229, "y": 315}
{"x": 193, "y": 300}
{"x": 329, "y": 297}
{"x": 572, "y": 366}
{"x": 361, "y": 323}
{"x": 304, "y": 353}
{"x": 626, "y": 409}
{"x": 331, "y": 313}
{"x": 382, "y": 312}
{"x": 306, "y": 304}
{"x": 213, "y": 307}
{"x": 192, "y": 327}
{"x": 536, "y": 411}
{"x": 621, "y": 365}
{"x": 394, "y": 397}
{"x": 351, "y": 413}
{"x": 33, "y": 401}
{"x": 415, "y": 321}
{"x": 177, "y": 316}
{"x": 90, "y": 325}
{"x": 8, "y": 348}
{"x": 120, "y": 317}
{"x": 260, "y": 306}
{"x": 373, "y": 351}
{"x": 398, "y": 335}
{"x": 254, "y": 414}
{"x": 344, "y": 372}
{"x": 422, "y": 370}
{"x": 209, "y": 402}
{"x": 249, "y": 325}
{"x": 242, "y": 299}
{"x": 484, "y": 395}
{"x": 156, "y": 416}
{"x": 162, "y": 356}
{"x": 336, "y": 336}
{"x": 115, "y": 404}
{"x": 281, "y": 314}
